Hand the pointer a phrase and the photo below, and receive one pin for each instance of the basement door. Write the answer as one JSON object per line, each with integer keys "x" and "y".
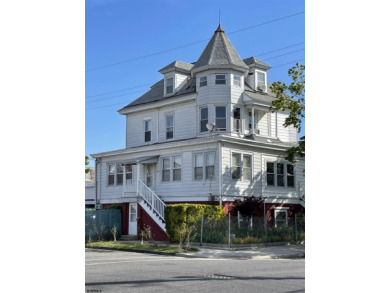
{"x": 132, "y": 218}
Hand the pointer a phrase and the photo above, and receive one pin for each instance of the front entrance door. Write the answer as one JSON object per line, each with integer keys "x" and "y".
{"x": 132, "y": 218}
{"x": 149, "y": 176}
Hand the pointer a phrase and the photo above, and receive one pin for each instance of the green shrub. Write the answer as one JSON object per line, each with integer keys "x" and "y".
{"x": 177, "y": 215}
{"x": 247, "y": 240}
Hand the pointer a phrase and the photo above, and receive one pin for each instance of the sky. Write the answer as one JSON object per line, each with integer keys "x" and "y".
{"x": 127, "y": 42}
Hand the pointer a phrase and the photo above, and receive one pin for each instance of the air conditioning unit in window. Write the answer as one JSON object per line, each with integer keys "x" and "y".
{"x": 261, "y": 87}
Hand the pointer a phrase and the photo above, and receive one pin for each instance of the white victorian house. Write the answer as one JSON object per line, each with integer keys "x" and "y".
{"x": 204, "y": 133}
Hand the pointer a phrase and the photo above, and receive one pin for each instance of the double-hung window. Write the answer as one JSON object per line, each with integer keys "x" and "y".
{"x": 281, "y": 217}
{"x": 220, "y": 79}
{"x": 169, "y": 124}
{"x": 198, "y": 169}
{"x": 236, "y": 119}
{"x": 203, "y": 81}
{"x": 237, "y": 80}
{"x": 119, "y": 174}
{"x": 177, "y": 163}
{"x": 129, "y": 171}
{"x": 166, "y": 169}
{"x": 241, "y": 166}
{"x": 148, "y": 131}
{"x": 210, "y": 161}
{"x": 261, "y": 81}
{"x": 169, "y": 85}
{"x": 280, "y": 174}
{"x": 204, "y": 119}
{"x": 204, "y": 166}
{"x": 111, "y": 174}
{"x": 220, "y": 118}
{"x": 236, "y": 166}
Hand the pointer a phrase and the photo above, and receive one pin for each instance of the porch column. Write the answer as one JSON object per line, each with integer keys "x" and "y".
{"x": 137, "y": 177}
{"x": 253, "y": 121}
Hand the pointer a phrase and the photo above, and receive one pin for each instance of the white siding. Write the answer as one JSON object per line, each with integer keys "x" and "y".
{"x": 250, "y": 79}
{"x": 135, "y": 134}
{"x": 283, "y": 132}
{"x": 185, "y": 119}
{"x": 181, "y": 80}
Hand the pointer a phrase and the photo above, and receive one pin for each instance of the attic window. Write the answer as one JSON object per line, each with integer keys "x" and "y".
{"x": 220, "y": 79}
{"x": 169, "y": 85}
{"x": 261, "y": 81}
{"x": 203, "y": 81}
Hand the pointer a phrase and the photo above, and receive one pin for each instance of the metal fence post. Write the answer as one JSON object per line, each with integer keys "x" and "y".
{"x": 201, "y": 232}
{"x": 229, "y": 231}
{"x": 296, "y": 229}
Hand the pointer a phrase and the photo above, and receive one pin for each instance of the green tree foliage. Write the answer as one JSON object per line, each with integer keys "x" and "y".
{"x": 181, "y": 217}
{"x": 248, "y": 206}
{"x": 86, "y": 164}
{"x": 292, "y": 98}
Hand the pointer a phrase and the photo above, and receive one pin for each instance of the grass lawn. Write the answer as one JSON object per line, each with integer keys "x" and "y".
{"x": 136, "y": 246}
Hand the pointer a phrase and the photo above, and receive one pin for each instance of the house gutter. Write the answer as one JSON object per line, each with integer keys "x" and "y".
{"x": 96, "y": 182}
{"x": 220, "y": 172}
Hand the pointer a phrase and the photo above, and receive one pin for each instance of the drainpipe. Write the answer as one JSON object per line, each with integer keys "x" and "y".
{"x": 220, "y": 171}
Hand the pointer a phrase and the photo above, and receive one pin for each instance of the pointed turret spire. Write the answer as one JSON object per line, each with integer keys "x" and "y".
{"x": 219, "y": 53}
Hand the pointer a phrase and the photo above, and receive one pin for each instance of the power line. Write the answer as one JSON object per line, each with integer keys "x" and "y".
{"x": 121, "y": 90}
{"x": 114, "y": 97}
{"x": 191, "y": 44}
{"x": 280, "y": 49}
{"x": 125, "y": 103}
{"x": 283, "y": 54}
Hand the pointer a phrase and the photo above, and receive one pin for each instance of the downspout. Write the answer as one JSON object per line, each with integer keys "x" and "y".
{"x": 220, "y": 172}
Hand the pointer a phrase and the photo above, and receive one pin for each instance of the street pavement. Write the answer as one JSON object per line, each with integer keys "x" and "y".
{"x": 269, "y": 252}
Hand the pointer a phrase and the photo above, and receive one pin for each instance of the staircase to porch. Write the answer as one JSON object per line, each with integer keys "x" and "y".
{"x": 148, "y": 200}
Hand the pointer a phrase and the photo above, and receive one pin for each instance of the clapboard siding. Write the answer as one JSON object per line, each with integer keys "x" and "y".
{"x": 181, "y": 81}
{"x": 283, "y": 133}
{"x": 184, "y": 121}
{"x": 135, "y": 134}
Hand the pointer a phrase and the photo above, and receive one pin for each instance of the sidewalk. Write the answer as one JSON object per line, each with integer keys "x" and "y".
{"x": 270, "y": 252}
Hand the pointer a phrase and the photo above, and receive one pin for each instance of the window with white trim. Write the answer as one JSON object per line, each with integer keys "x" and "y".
{"x": 166, "y": 169}
{"x": 236, "y": 119}
{"x": 203, "y": 81}
{"x": 169, "y": 85}
{"x": 204, "y": 166}
{"x": 220, "y": 79}
{"x": 119, "y": 174}
{"x": 241, "y": 167}
{"x": 237, "y": 80}
{"x": 261, "y": 81}
{"x": 148, "y": 130}
{"x": 177, "y": 163}
{"x": 204, "y": 118}
{"x": 220, "y": 118}
{"x": 280, "y": 174}
{"x": 111, "y": 174}
{"x": 171, "y": 168}
{"x": 129, "y": 171}
{"x": 169, "y": 126}
{"x": 281, "y": 217}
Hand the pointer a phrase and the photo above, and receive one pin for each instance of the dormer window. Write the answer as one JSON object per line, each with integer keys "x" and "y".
{"x": 220, "y": 79}
{"x": 169, "y": 86}
{"x": 261, "y": 81}
{"x": 237, "y": 80}
{"x": 203, "y": 81}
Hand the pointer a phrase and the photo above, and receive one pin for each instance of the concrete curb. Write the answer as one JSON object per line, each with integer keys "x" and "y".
{"x": 136, "y": 250}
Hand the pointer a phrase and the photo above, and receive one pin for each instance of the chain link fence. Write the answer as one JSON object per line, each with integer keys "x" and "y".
{"x": 250, "y": 230}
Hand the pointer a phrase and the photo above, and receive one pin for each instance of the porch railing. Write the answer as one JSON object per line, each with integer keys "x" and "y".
{"x": 148, "y": 195}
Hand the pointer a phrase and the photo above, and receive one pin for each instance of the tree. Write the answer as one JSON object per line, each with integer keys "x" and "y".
{"x": 86, "y": 164}
{"x": 292, "y": 98}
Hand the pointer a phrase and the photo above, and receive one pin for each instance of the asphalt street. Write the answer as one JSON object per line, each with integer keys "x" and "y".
{"x": 118, "y": 271}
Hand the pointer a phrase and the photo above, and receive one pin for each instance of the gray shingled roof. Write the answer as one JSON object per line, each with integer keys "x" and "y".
{"x": 156, "y": 93}
{"x": 256, "y": 96}
{"x": 254, "y": 60}
{"x": 219, "y": 51}
{"x": 178, "y": 65}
